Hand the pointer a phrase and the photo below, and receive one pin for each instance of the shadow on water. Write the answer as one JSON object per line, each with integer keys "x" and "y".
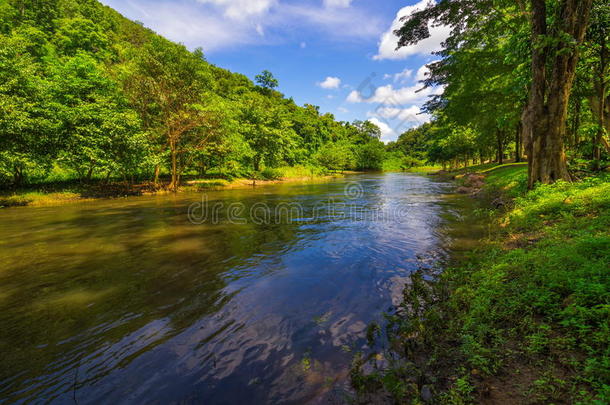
{"x": 128, "y": 301}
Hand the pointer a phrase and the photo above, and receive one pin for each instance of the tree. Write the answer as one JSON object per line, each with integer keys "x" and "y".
{"x": 80, "y": 34}
{"x": 266, "y": 80}
{"x": 29, "y": 124}
{"x": 267, "y": 129}
{"x": 99, "y": 131}
{"x": 336, "y": 156}
{"x": 168, "y": 86}
{"x": 556, "y": 28}
{"x": 555, "y": 42}
{"x": 598, "y": 41}
{"x": 370, "y": 155}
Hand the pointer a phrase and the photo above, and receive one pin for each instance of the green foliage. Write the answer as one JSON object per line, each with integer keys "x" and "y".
{"x": 370, "y": 155}
{"x": 98, "y": 96}
{"x": 336, "y": 156}
{"x": 267, "y": 80}
{"x": 79, "y": 34}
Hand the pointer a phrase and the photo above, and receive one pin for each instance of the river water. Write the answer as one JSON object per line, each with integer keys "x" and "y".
{"x": 229, "y": 297}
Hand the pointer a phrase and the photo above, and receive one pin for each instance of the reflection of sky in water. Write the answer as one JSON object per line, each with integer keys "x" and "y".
{"x": 135, "y": 304}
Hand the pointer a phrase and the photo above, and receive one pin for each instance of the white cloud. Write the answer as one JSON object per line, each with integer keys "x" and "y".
{"x": 410, "y": 115}
{"x": 241, "y": 9}
{"x": 389, "y": 41}
{"x": 338, "y": 23}
{"x": 402, "y": 76}
{"x": 222, "y": 24}
{"x": 337, "y": 3}
{"x": 422, "y": 73}
{"x": 395, "y": 94}
{"x": 260, "y": 30}
{"x": 330, "y": 83}
{"x": 354, "y": 97}
{"x": 342, "y": 110}
{"x": 387, "y": 133}
{"x": 388, "y": 95}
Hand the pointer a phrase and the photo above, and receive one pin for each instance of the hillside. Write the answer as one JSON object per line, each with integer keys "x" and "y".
{"x": 88, "y": 95}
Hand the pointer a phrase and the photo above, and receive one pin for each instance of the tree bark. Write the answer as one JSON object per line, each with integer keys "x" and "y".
{"x": 156, "y": 175}
{"x": 499, "y": 136}
{"x": 576, "y": 123}
{"x": 518, "y": 144}
{"x": 18, "y": 176}
{"x": 601, "y": 110}
{"x": 173, "y": 185}
{"x": 544, "y": 120}
{"x": 89, "y": 173}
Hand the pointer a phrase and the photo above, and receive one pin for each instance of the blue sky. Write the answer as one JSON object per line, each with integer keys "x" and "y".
{"x": 337, "y": 54}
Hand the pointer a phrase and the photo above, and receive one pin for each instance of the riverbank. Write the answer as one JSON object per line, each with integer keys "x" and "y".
{"x": 52, "y": 194}
{"x": 523, "y": 319}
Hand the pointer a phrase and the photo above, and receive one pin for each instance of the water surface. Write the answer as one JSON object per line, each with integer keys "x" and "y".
{"x": 128, "y": 301}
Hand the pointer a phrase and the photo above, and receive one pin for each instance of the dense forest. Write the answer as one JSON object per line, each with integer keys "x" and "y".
{"x": 88, "y": 94}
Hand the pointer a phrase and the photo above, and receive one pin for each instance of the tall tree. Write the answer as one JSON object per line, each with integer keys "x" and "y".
{"x": 267, "y": 80}
{"x": 558, "y": 29}
{"x": 168, "y": 85}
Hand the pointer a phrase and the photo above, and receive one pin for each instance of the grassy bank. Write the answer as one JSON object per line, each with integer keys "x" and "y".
{"x": 65, "y": 190}
{"x": 524, "y": 319}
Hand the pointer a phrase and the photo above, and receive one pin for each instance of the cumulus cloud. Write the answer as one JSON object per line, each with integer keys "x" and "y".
{"x": 354, "y": 97}
{"x": 389, "y": 41}
{"x": 330, "y": 83}
{"x": 397, "y": 94}
{"x": 387, "y": 133}
{"x": 388, "y": 95}
{"x": 342, "y": 110}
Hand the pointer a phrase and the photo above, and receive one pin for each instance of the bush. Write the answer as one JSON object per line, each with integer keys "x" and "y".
{"x": 270, "y": 174}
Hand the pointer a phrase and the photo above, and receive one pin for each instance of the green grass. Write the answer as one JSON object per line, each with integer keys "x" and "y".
{"x": 532, "y": 304}
{"x": 509, "y": 179}
{"x": 424, "y": 169}
{"x": 543, "y": 283}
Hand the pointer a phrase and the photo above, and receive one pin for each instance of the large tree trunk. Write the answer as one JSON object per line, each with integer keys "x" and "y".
{"x": 518, "y": 144}
{"x": 499, "y": 136}
{"x": 544, "y": 120}
{"x": 18, "y": 176}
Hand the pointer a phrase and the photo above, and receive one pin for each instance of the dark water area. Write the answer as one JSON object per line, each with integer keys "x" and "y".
{"x": 232, "y": 297}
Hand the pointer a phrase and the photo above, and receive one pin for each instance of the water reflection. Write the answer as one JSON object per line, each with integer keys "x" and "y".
{"x": 127, "y": 301}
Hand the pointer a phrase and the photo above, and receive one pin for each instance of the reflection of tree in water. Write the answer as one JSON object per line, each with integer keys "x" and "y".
{"x": 100, "y": 281}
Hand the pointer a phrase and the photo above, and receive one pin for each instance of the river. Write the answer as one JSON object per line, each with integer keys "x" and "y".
{"x": 229, "y": 297}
